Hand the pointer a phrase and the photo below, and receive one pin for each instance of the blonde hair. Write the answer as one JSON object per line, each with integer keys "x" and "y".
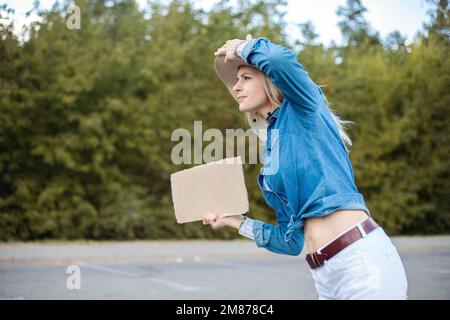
{"x": 341, "y": 124}
{"x": 276, "y": 98}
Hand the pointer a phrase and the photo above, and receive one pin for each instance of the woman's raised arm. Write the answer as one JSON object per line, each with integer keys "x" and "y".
{"x": 281, "y": 65}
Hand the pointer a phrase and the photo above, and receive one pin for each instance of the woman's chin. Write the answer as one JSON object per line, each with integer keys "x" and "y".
{"x": 244, "y": 108}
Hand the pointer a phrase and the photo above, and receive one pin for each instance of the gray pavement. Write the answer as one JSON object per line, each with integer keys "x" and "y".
{"x": 205, "y": 270}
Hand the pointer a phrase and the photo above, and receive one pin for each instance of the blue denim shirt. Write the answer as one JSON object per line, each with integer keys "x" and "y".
{"x": 307, "y": 170}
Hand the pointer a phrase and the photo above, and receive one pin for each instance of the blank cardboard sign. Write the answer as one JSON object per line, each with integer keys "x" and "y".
{"x": 213, "y": 187}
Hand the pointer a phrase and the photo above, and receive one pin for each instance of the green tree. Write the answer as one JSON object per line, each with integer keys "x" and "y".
{"x": 354, "y": 27}
{"x": 86, "y": 116}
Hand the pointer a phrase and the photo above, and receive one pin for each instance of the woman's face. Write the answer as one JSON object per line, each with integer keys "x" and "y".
{"x": 250, "y": 90}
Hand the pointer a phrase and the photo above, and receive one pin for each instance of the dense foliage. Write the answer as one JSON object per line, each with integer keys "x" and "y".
{"x": 86, "y": 115}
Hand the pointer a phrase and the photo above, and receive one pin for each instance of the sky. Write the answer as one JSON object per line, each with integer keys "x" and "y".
{"x": 385, "y": 16}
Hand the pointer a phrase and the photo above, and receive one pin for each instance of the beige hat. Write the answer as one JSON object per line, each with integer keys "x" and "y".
{"x": 228, "y": 72}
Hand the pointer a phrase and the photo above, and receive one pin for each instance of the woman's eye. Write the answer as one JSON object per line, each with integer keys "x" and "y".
{"x": 246, "y": 78}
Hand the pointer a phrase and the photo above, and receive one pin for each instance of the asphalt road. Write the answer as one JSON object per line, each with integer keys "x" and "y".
{"x": 205, "y": 270}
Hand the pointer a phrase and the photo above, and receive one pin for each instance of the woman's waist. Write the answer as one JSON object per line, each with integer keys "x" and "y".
{"x": 319, "y": 231}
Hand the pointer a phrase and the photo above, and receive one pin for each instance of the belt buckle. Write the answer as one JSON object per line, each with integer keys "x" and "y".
{"x": 316, "y": 259}
{"x": 315, "y": 256}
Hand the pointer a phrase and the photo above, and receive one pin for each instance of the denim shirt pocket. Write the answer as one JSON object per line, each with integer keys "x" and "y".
{"x": 272, "y": 193}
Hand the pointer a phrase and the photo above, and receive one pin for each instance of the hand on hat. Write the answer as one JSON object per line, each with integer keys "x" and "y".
{"x": 229, "y": 48}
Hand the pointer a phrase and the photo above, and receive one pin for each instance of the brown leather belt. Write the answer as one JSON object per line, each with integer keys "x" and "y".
{"x": 317, "y": 259}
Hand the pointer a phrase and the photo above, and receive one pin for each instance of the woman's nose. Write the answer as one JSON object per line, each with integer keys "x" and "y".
{"x": 237, "y": 87}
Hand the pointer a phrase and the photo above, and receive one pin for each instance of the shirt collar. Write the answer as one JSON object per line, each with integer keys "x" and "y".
{"x": 273, "y": 114}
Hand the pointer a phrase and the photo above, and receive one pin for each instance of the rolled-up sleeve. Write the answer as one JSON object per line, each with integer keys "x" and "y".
{"x": 273, "y": 238}
{"x": 246, "y": 228}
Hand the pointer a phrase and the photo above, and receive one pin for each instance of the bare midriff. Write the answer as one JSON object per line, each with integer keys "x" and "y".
{"x": 319, "y": 231}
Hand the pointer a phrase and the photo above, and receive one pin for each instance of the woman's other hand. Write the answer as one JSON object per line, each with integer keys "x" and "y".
{"x": 217, "y": 223}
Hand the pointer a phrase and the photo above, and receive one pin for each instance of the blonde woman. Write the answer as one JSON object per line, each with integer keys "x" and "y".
{"x": 312, "y": 188}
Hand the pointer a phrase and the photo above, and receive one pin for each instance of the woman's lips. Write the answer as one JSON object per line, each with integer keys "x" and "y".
{"x": 240, "y": 98}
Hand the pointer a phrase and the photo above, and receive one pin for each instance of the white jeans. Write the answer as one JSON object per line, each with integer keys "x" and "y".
{"x": 369, "y": 268}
